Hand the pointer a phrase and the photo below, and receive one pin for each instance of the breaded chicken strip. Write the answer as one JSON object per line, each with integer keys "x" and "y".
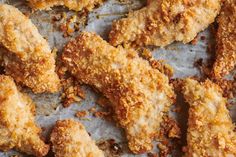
{"x": 17, "y": 127}
{"x": 27, "y": 57}
{"x": 140, "y": 95}
{"x": 162, "y": 22}
{"x": 70, "y": 139}
{"x": 226, "y": 40}
{"x": 76, "y": 5}
{"x": 210, "y": 128}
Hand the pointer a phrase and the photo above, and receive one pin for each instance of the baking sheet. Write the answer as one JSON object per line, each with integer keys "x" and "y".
{"x": 49, "y": 109}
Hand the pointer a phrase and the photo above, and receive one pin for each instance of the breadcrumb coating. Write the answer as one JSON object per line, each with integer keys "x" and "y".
{"x": 162, "y": 22}
{"x": 226, "y": 40}
{"x": 140, "y": 95}
{"x": 17, "y": 127}
{"x": 210, "y": 128}
{"x": 70, "y": 139}
{"x": 27, "y": 57}
{"x": 76, "y": 5}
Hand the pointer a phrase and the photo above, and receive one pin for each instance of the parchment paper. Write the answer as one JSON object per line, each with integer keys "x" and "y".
{"x": 49, "y": 109}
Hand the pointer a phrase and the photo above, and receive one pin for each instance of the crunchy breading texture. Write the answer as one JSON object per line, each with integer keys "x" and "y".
{"x": 76, "y": 5}
{"x": 210, "y": 128}
{"x": 162, "y": 22}
{"x": 70, "y": 139}
{"x": 17, "y": 127}
{"x": 226, "y": 40}
{"x": 27, "y": 57}
{"x": 139, "y": 94}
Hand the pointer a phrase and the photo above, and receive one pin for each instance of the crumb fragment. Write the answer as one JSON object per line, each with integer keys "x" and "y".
{"x": 171, "y": 134}
{"x": 71, "y": 89}
{"x": 69, "y": 25}
{"x": 194, "y": 41}
{"x": 92, "y": 109}
{"x": 161, "y": 65}
{"x": 101, "y": 114}
{"x": 81, "y": 114}
{"x": 204, "y": 68}
{"x": 170, "y": 128}
{"x": 110, "y": 147}
{"x": 164, "y": 149}
{"x": 203, "y": 37}
{"x": 103, "y": 102}
{"x": 152, "y": 154}
{"x": 177, "y": 109}
{"x": 177, "y": 84}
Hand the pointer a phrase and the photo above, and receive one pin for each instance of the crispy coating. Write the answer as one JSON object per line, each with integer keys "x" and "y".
{"x": 27, "y": 56}
{"x": 139, "y": 94}
{"x": 76, "y": 5}
{"x": 210, "y": 128}
{"x": 162, "y": 22}
{"x": 226, "y": 40}
{"x": 70, "y": 139}
{"x": 17, "y": 127}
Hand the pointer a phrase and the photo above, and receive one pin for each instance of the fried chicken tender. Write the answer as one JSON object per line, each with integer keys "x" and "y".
{"x": 226, "y": 40}
{"x": 162, "y": 22}
{"x": 70, "y": 139}
{"x": 17, "y": 127}
{"x": 27, "y": 56}
{"x": 76, "y": 5}
{"x": 210, "y": 128}
{"x": 139, "y": 94}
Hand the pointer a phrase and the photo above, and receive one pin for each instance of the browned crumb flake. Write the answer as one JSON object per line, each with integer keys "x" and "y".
{"x": 106, "y": 105}
{"x": 92, "y": 109}
{"x": 69, "y": 25}
{"x": 195, "y": 41}
{"x": 110, "y": 147}
{"x": 81, "y": 114}
{"x": 170, "y": 133}
{"x": 164, "y": 149}
{"x": 152, "y": 154}
{"x": 160, "y": 65}
{"x": 170, "y": 128}
{"x": 177, "y": 84}
{"x": 71, "y": 89}
{"x": 103, "y": 102}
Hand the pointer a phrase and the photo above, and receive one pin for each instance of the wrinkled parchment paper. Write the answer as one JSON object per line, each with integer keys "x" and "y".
{"x": 49, "y": 109}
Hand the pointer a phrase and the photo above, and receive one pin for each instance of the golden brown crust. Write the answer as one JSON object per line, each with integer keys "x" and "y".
{"x": 17, "y": 127}
{"x": 70, "y": 139}
{"x": 76, "y": 5}
{"x": 140, "y": 95}
{"x": 210, "y": 128}
{"x": 162, "y": 22}
{"x": 226, "y": 40}
{"x": 27, "y": 57}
